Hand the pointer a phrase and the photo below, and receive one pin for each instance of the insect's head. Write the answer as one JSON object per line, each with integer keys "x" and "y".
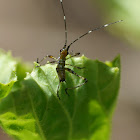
{"x": 64, "y": 52}
{"x": 61, "y": 51}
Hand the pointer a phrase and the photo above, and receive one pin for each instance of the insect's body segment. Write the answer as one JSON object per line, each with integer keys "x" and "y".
{"x": 64, "y": 52}
{"x": 61, "y": 65}
{"x": 61, "y": 70}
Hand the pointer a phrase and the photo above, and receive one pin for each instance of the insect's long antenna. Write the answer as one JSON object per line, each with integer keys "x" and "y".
{"x": 61, "y": 1}
{"x": 91, "y": 32}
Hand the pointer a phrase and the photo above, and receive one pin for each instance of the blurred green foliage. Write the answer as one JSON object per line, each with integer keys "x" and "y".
{"x": 127, "y": 10}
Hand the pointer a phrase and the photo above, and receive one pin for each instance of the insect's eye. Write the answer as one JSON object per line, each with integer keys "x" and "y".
{"x": 61, "y": 50}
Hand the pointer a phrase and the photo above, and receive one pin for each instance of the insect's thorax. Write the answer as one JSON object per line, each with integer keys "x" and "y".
{"x": 61, "y": 64}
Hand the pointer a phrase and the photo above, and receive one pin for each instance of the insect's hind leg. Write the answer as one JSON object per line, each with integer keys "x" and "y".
{"x": 71, "y": 71}
{"x": 75, "y": 66}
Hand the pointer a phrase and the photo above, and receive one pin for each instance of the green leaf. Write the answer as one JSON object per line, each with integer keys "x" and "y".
{"x": 35, "y": 112}
{"x": 8, "y": 74}
{"x": 20, "y": 126}
{"x": 12, "y": 73}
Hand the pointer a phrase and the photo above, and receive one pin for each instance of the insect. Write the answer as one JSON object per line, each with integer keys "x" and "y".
{"x": 61, "y": 60}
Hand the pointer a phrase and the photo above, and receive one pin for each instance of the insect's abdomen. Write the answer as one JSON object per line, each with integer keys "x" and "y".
{"x": 61, "y": 70}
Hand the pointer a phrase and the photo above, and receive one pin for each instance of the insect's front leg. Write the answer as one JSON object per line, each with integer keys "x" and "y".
{"x": 71, "y": 71}
{"x": 76, "y": 54}
{"x": 47, "y": 56}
